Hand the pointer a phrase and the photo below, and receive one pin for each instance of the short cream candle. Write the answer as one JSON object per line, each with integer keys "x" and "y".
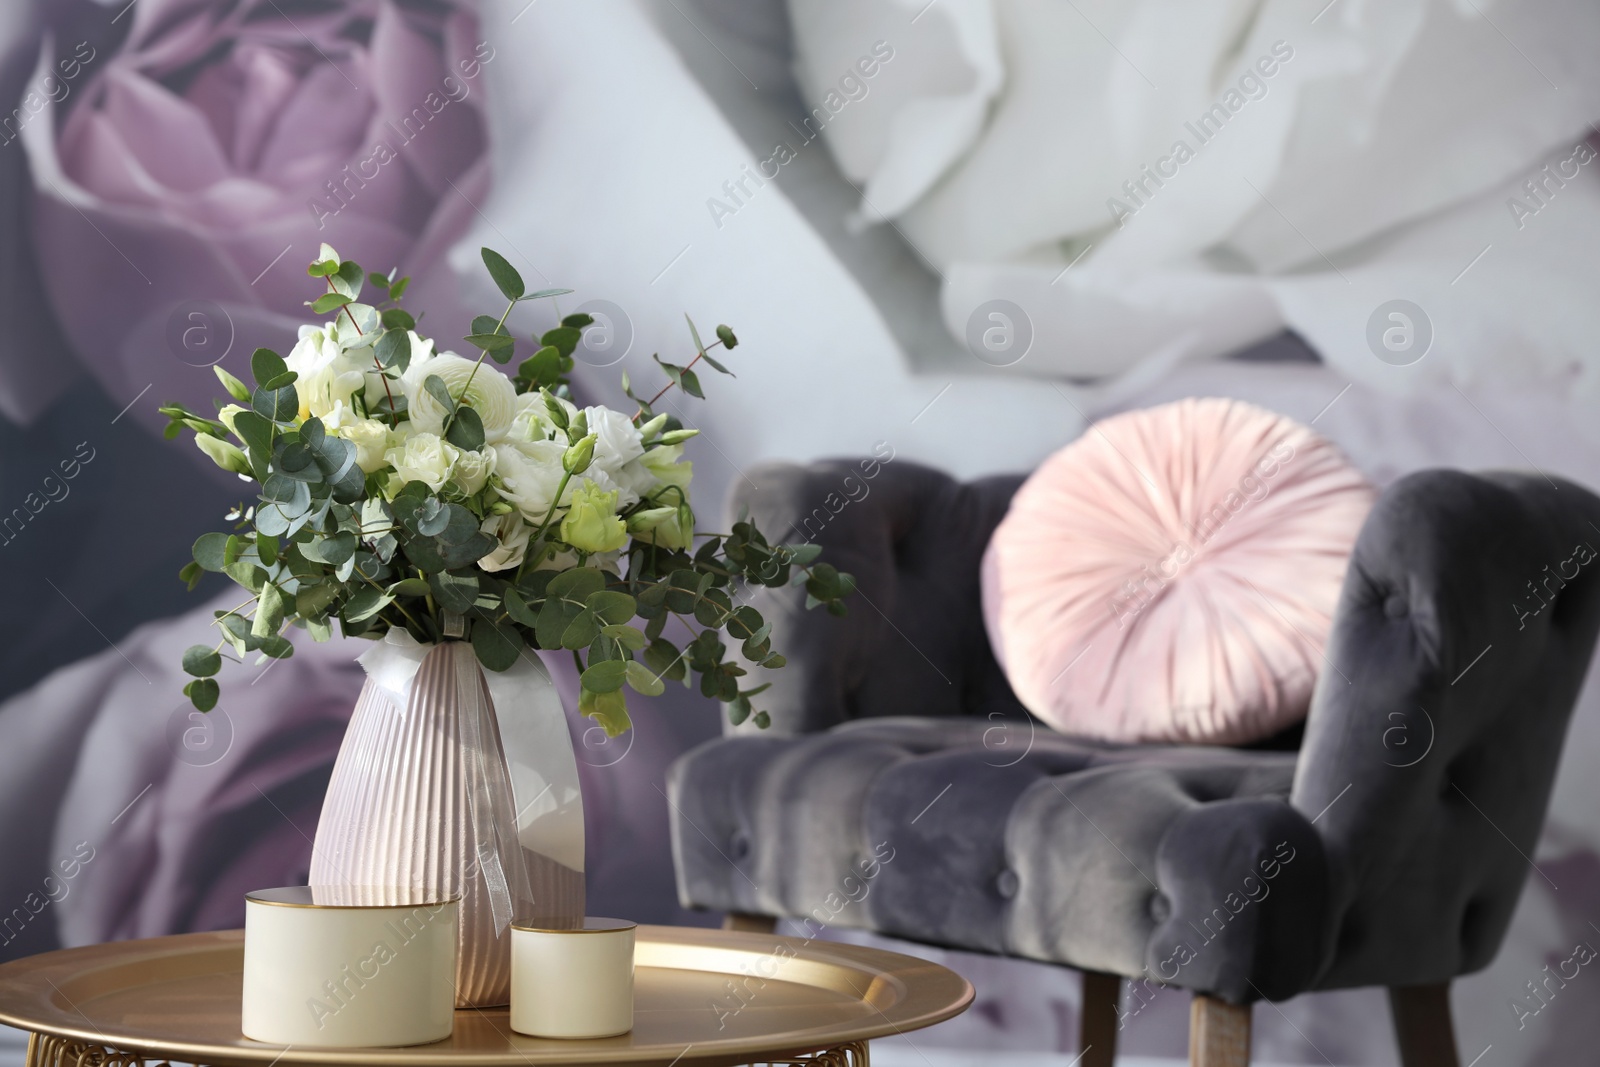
{"x": 573, "y": 983}
{"x": 348, "y": 967}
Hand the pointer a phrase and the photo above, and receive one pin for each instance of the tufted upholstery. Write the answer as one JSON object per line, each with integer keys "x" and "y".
{"x": 902, "y": 789}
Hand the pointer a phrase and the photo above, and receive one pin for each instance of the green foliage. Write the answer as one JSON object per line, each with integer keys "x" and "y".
{"x": 330, "y": 536}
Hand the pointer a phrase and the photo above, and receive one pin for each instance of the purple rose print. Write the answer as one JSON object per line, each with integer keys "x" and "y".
{"x": 197, "y": 169}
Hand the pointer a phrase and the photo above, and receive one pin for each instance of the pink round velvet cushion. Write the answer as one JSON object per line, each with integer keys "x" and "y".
{"x": 1171, "y": 575}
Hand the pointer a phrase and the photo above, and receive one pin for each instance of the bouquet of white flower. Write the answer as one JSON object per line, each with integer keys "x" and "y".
{"x": 400, "y": 486}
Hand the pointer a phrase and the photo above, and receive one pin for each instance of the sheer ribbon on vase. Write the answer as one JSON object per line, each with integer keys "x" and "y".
{"x": 459, "y": 783}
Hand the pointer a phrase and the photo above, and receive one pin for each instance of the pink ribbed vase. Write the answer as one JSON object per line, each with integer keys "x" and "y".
{"x": 398, "y": 814}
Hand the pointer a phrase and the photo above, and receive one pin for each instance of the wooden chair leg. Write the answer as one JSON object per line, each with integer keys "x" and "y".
{"x": 1097, "y": 1023}
{"x": 750, "y": 924}
{"x": 1422, "y": 1025}
{"x": 1219, "y": 1033}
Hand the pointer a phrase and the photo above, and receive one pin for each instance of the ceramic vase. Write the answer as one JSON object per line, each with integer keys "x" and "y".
{"x": 458, "y": 783}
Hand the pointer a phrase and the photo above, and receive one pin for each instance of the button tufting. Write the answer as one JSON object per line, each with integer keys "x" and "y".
{"x": 1395, "y": 606}
{"x": 1007, "y": 883}
{"x": 1160, "y": 907}
{"x": 738, "y": 847}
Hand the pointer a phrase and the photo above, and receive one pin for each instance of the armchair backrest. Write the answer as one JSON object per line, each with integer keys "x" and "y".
{"x": 913, "y": 642}
{"x": 1463, "y": 634}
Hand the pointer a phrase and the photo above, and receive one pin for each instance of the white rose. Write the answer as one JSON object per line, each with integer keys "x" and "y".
{"x": 491, "y": 393}
{"x": 426, "y": 458}
{"x": 472, "y": 470}
{"x": 529, "y": 472}
{"x": 371, "y": 438}
{"x": 511, "y": 533}
{"x": 617, "y": 438}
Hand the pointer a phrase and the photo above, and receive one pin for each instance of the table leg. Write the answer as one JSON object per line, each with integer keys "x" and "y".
{"x": 855, "y": 1054}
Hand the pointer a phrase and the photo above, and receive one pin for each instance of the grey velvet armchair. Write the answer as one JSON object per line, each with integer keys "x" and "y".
{"x": 902, "y": 788}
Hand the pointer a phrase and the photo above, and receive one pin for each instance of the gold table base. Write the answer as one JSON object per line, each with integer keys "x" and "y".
{"x": 46, "y": 1050}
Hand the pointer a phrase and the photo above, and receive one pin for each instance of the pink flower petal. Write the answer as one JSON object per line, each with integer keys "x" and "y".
{"x": 329, "y": 111}
{"x": 97, "y": 157}
{"x": 168, "y": 135}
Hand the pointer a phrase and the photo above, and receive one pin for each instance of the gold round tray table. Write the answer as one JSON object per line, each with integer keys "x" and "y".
{"x": 701, "y": 997}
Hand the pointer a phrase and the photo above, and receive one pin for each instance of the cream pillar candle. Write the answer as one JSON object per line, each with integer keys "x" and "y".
{"x": 573, "y": 983}
{"x": 348, "y": 967}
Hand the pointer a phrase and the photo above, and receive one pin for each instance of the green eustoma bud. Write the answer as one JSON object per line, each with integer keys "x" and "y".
{"x": 224, "y": 455}
{"x": 576, "y": 459}
{"x": 558, "y": 414}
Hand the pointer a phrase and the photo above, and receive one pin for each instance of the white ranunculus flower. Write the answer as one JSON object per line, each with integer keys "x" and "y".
{"x": 511, "y": 533}
{"x": 472, "y": 470}
{"x": 618, "y": 439}
{"x": 531, "y": 421}
{"x": 491, "y": 393}
{"x": 529, "y": 472}
{"x": 426, "y": 458}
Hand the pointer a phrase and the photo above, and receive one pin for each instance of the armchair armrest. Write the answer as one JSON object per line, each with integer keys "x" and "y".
{"x": 1463, "y": 633}
{"x": 913, "y": 642}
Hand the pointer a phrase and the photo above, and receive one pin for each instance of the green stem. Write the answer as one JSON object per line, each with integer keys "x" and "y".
{"x": 669, "y": 385}
{"x": 396, "y": 603}
{"x": 474, "y": 372}
{"x": 566, "y": 476}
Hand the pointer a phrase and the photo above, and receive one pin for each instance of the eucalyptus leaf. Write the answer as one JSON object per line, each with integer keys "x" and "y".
{"x": 329, "y": 302}
{"x": 466, "y": 430}
{"x": 397, "y": 319}
{"x": 611, "y": 606}
{"x": 606, "y": 676}
{"x": 365, "y": 603}
{"x": 563, "y": 339}
{"x": 454, "y": 592}
{"x": 505, "y": 276}
{"x": 209, "y": 550}
{"x": 265, "y": 365}
{"x": 270, "y": 609}
{"x": 314, "y": 601}
{"x": 393, "y": 350}
{"x": 440, "y": 392}
{"x": 642, "y": 681}
{"x": 497, "y": 645}
{"x": 200, "y": 661}
{"x": 202, "y": 693}
{"x": 279, "y": 405}
{"x": 409, "y": 587}
{"x": 519, "y": 610}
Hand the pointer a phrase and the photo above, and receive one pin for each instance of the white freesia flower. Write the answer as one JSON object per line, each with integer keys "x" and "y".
{"x": 329, "y": 372}
{"x": 426, "y": 458}
{"x": 511, "y": 533}
{"x": 529, "y": 472}
{"x": 491, "y": 393}
{"x": 472, "y": 470}
{"x": 225, "y": 416}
